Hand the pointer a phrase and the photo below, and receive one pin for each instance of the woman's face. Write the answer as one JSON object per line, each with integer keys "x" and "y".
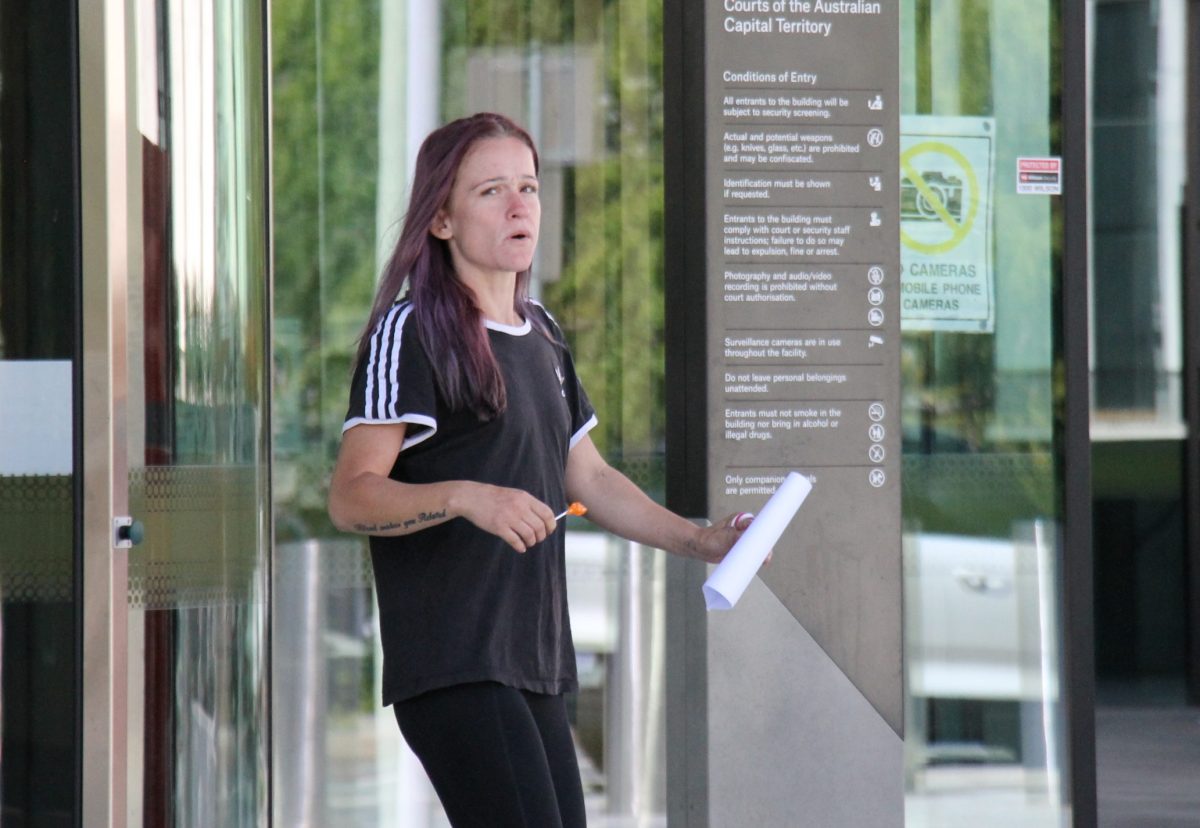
{"x": 491, "y": 221}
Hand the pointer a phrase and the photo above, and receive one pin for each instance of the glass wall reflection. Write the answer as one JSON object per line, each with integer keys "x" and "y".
{"x": 197, "y": 448}
{"x": 1138, "y": 177}
{"x": 357, "y": 86}
{"x": 1138, "y": 170}
{"x": 982, "y": 266}
{"x": 1139, "y": 454}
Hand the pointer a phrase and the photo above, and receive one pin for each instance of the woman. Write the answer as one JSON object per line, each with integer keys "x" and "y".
{"x": 467, "y": 432}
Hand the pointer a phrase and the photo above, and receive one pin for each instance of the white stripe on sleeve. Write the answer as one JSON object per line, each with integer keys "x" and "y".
{"x": 394, "y": 386}
{"x": 583, "y": 430}
{"x": 369, "y": 394}
{"x": 379, "y": 392}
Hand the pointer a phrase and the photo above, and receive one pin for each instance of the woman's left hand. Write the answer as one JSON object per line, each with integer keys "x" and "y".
{"x": 616, "y": 504}
{"x": 712, "y": 543}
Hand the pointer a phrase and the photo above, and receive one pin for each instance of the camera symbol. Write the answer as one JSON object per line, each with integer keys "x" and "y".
{"x": 947, "y": 190}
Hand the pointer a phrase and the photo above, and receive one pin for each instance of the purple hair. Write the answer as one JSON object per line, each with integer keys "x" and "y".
{"x": 449, "y": 323}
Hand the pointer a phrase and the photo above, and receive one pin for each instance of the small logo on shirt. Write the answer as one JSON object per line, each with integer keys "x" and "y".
{"x": 561, "y": 381}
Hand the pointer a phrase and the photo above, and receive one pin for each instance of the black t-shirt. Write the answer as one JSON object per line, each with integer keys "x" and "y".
{"x": 458, "y": 604}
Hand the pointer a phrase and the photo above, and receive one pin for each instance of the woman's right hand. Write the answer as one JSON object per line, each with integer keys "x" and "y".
{"x": 363, "y": 499}
{"x": 513, "y": 515}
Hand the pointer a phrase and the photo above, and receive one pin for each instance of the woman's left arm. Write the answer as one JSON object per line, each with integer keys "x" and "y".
{"x": 616, "y": 504}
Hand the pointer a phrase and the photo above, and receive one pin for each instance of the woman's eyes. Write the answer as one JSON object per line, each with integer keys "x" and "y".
{"x": 525, "y": 188}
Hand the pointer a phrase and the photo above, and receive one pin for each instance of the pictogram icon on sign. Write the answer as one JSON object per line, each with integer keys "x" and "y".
{"x": 938, "y": 185}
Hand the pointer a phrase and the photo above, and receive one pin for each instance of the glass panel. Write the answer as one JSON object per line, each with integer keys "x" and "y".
{"x": 1138, "y": 171}
{"x": 1137, "y": 419}
{"x": 586, "y": 79}
{"x": 337, "y": 758}
{"x": 198, "y": 586}
{"x": 980, "y": 86}
{"x": 357, "y": 85}
{"x": 39, "y": 254}
{"x": 1139, "y": 456}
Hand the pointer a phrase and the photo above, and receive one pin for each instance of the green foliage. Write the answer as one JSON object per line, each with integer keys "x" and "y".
{"x": 325, "y": 145}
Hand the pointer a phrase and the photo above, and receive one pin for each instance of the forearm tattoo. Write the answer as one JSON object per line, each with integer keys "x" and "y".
{"x": 422, "y": 518}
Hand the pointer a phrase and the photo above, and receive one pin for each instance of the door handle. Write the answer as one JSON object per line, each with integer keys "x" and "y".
{"x": 127, "y": 532}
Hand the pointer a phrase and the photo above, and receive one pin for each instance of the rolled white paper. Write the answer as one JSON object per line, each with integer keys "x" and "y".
{"x": 731, "y": 577}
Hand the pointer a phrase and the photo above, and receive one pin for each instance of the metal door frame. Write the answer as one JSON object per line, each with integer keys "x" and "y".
{"x": 1191, "y": 358}
{"x": 1073, "y": 433}
{"x": 104, "y": 207}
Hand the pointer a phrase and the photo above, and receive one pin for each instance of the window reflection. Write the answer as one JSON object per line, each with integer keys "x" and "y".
{"x": 981, "y": 466}
{"x": 197, "y": 465}
{"x": 1138, "y": 166}
{"x": 356, "y": 87}
{"x": 1140, "y": 495}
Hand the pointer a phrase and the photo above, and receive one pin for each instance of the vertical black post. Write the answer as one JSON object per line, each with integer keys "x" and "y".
{"x": 685, "y": 259}
{"x": 1076, "y": 538}
{"x": 686, "y": 394}
{"x": 1191, "y": 357}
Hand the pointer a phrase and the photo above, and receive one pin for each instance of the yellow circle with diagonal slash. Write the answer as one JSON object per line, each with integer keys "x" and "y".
{"x": 959, "y": 230}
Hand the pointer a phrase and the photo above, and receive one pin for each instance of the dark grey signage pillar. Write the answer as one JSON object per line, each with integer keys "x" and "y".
{"x": 804, "y": 677}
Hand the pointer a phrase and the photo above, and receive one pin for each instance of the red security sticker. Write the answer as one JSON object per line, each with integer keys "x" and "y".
{"x": 1039, "y": 176}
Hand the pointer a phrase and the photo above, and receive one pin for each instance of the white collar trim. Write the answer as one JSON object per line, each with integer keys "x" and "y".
{"x": 512, "y": 330}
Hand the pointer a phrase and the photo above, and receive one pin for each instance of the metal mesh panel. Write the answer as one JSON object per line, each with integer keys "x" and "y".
{"x": 346, "y": 563}
{"x": 978, "y": 494}
{"x": 205, "y": 541}
{"x": 36, "y": 538}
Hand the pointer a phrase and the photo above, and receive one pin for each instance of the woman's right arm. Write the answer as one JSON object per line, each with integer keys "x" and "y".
{"x": 363, "y": 499}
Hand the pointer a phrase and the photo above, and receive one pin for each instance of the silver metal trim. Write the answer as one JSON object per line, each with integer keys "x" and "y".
{"x": 104, "y": 209}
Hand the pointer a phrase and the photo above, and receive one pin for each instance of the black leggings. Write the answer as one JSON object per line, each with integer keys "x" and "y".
{"x": 498, "y": 757}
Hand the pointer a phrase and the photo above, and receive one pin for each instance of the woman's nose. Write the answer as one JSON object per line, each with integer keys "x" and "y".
{"x": 517, "y": 206}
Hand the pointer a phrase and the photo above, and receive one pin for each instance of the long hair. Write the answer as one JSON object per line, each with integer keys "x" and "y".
{"x": 449, "y": 323}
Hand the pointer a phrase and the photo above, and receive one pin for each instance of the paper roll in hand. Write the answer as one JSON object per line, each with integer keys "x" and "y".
{"x": 731, "y": 577}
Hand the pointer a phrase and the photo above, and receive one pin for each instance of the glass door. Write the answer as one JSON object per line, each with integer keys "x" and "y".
{"x": 39, "y": 285}
{"x": 178, "y": 591}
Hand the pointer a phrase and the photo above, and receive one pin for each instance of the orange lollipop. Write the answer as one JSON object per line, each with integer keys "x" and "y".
{"x": 577, "y": 509}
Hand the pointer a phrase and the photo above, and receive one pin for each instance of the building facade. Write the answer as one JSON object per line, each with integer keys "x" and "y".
{"x": 195, "y": 201}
